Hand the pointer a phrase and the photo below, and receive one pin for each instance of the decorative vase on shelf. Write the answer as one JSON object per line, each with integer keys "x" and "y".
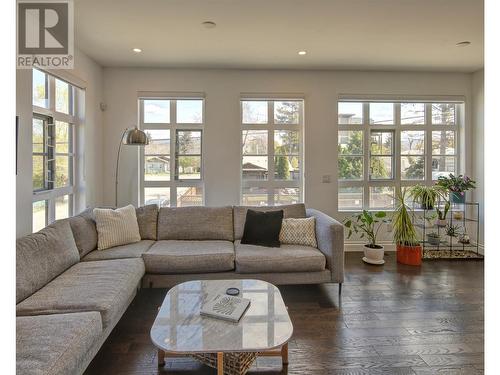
{"x": 457, "y": 197}
{"x": 434, "y": 239}
{"x": 464, "y": 238}
{"x": 458, "y": 215}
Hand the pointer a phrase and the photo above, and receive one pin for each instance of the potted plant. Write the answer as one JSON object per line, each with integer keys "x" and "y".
{"x": 441, "y": 215}
{"x": 368, "y": 224}
{"x": 457, "y": 186}
{"x": 453, "y": 230}
{"x": 433, "y": 238}
{"x": 426, "y": 196}
{"x": 408, "y": 246}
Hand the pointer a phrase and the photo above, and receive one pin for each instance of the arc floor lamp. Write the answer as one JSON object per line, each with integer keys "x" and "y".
{"x": 130, "y": 137}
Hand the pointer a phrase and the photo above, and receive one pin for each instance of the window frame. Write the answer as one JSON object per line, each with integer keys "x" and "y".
{"x": 174, "y": 182}
{"x": 74, "y": 120}
{"x": 366, "y": 183}
{"x": 271, "y": 184}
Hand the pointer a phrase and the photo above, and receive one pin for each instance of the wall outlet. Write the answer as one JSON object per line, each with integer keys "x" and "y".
{"x": 326, "y": 179}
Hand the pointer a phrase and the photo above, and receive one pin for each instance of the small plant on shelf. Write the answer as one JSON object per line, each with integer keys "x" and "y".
{"x": 457, "y": 186}
{"x": 368, "y": 224}
{"x": 427, "y": 196}
{"x": 453, "y": 230}
{"x": 408, "y": 246}
{"x": 433, "y": 238}
{"x": 441, "y": 215}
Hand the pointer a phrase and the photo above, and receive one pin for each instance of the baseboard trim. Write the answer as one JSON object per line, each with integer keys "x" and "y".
{"x": 388, "y": 246}
{"x": 359, "y": 246}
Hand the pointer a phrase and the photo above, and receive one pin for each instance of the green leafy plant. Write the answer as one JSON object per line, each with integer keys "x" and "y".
{"x": 453, "y": 230}
{"x": 456, "y": 184}
{"x": 427, "y": 196}
{"x": 404, "y": 230}
{"x": 368, "y": 224}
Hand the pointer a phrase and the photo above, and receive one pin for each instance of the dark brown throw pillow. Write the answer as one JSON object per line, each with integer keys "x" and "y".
{"x": 262, "y": 228}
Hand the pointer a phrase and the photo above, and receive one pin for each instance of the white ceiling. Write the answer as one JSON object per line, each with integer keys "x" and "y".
{"x": 258, "y": 34}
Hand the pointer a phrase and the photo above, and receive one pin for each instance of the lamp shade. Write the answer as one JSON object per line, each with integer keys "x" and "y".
{"x": 135, "y": 137}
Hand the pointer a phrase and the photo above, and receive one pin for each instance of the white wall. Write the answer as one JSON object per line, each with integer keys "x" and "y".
{"x": 222, "y": 128}
{"x": 478, "y": 142}
{"x": 90, "y": 75}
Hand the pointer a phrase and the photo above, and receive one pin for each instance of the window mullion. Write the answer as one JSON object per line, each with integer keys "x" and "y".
{"x": 366, "y": 155}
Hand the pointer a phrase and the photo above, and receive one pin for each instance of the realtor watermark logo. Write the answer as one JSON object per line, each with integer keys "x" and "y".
{"x": 45, "y": 34}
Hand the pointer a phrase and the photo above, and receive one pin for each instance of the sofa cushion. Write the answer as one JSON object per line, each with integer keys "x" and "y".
{"x": 116, "y": 227}
{"x": 240, "y": 213}
{"x": 84, "y": 231}
{"x": 299, "y": 232}
{"x": 195, "y": 223}
{"x": 106, "y": 286}
{"x": 263, "y": 228}
{"x": 42, "y": 256}
{"x": 147, "y": 219}
{"x": 55, "y": 344}
{"x": 287, "y": 258}
{"x": 132, "y": 250}
{"x": 171, "y": 257}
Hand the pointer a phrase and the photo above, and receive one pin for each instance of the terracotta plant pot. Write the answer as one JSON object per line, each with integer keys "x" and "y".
{"x": 410, "y": 255}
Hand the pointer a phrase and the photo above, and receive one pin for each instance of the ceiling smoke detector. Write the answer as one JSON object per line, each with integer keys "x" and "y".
{"x": 209, "y": 24}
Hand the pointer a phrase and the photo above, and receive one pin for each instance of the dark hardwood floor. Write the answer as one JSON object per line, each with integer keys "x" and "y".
{"x": 391, "y": 319}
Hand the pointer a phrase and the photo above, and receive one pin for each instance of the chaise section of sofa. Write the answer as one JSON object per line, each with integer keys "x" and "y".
{"x": 73, "y": 305}
{"x": 56, "y": 344}
{"x": 107, "y": 286}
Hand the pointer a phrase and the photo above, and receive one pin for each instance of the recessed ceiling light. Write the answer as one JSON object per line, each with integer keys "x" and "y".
{"x": 209, "y": 24}
{"x": 137, "y": 50}
{"x": 302, "y": 53}
{"x": 465, "y": 43}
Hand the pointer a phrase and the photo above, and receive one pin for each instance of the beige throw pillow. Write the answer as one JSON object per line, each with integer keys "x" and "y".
{"x": 299, "y": 232}
{"x": 116, "y": 227}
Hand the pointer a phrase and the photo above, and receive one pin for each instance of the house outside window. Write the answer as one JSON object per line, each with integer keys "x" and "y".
{"x": 272, "y": 151}
{"x": 172, "y": 172}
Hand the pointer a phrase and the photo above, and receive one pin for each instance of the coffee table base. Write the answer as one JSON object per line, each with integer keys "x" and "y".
{"x": 229, "y": 363}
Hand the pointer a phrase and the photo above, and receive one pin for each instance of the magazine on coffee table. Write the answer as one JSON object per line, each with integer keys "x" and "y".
{"x": 225, "y": 307}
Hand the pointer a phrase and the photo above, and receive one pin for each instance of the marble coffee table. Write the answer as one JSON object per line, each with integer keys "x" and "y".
{"x": 264, "y": 329}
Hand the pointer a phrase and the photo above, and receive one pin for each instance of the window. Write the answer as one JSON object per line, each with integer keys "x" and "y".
{"x": 271, "y": 157}
{"x": 172, "y": 175}
{"x": 53, "y": 139}
{"x": 381, "y": 154}
{"x": 384, "y": 145}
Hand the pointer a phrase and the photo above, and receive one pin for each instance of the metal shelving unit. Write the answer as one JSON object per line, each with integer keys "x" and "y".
{"x": 450, "y": 247}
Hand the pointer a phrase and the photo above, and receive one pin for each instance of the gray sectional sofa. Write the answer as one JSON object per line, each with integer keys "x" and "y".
{"x": 69, "y": 296}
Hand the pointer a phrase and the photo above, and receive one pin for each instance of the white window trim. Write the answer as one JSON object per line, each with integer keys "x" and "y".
{"x": 428, "y": 127}
{"x": 271, "y": 184}
{"x": 173, "y": 126}
{"x": 75, "y": 120}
